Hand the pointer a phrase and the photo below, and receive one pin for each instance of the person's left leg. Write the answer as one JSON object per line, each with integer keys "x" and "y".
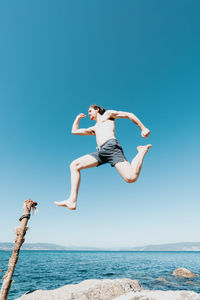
{"x": 130, "y": 171}
{"x": 84, "y": 162}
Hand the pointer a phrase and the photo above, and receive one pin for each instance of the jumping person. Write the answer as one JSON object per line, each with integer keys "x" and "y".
{"x": 109, "y": 149}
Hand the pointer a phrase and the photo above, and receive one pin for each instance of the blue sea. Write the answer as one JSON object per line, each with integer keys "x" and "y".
{"x": 53, "y": 269}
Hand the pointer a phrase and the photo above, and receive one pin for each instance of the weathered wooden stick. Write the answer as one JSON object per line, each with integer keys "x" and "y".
{"x": 20, "y": 232}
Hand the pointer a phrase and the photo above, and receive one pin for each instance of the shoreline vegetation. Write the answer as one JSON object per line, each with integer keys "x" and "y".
{"x": 185, "y": 246}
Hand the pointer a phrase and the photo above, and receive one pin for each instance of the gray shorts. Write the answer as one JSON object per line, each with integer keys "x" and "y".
{"x": 109, "y": 152}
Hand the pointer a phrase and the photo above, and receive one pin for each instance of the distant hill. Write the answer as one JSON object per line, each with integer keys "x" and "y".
{"x": 33, "y": 246}
{"x": 185, "y": 246}
{"x": 42, "y": 246}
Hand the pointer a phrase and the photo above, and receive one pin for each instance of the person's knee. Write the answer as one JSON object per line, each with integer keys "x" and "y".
{"x": 131, "y": 178}
{"x": 75, "y": 165}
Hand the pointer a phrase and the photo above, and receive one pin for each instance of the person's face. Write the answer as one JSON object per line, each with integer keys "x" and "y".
{"x": 92, "y": 113}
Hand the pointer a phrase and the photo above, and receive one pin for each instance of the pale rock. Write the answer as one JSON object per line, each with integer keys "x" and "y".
{"x": 183, "y": 272}
{"x": 117, "y": 289}
{"x": 92, "y": 289}
{"x": 162, "y": 280}
{"x": 160, "y": 295}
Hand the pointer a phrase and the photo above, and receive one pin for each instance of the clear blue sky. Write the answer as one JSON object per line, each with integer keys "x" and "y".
{"x": 57, "y": 58}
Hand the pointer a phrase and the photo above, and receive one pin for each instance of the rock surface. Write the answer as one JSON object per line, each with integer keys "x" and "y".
{"x": 162, "y": 280}
{"x": 183, "y": 272}
{"x": 160, "y": 295}
{"x": 117, "y": 289}
{"x": 92, "y": 289}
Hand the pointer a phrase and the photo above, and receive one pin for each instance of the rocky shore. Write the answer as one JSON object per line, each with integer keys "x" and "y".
{"x": 117, "y": 289}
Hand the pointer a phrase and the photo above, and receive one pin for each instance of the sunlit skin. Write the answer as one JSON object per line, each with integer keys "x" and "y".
{"x": 104, "y": 129}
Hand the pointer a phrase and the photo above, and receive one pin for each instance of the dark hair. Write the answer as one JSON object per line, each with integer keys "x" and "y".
{"x": 100, "y": 109}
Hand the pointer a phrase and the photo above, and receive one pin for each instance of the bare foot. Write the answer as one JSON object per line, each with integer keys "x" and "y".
{"x": 67, "y": 203}
{"x": 144, "y": 148}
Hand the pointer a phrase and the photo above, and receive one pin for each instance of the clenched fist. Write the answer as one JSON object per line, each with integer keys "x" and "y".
{"x": 81, "y": 116}
{"x": 145, "y": 132}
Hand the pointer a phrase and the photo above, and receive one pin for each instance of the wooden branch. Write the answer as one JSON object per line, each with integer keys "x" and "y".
{"x": 20, "y": 232}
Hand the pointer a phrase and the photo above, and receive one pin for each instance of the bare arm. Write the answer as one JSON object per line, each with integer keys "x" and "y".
{"x": 126, "y": 115}
{"x": 81, "y": 131}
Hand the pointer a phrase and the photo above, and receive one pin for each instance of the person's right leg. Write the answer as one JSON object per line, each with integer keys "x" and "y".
{"x": 84, "y": 162}
{"x": 130, "y": 171}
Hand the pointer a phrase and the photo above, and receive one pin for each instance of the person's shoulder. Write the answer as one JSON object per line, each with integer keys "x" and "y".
{"x": 109, "y": 113}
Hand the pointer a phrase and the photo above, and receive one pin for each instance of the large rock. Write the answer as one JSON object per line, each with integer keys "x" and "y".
{"x": 92, "y": 289}
{"x": 183, "y": 272}
{"x": 160, "y": 295}
{"x": 117, "y": 289}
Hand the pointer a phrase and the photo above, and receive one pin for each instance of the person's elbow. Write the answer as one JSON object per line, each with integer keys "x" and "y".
{"x": 130, "y": 116}
{"x": 74, "y": 131}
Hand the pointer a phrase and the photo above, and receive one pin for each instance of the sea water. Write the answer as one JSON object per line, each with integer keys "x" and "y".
{"x": 52, "y": 269}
